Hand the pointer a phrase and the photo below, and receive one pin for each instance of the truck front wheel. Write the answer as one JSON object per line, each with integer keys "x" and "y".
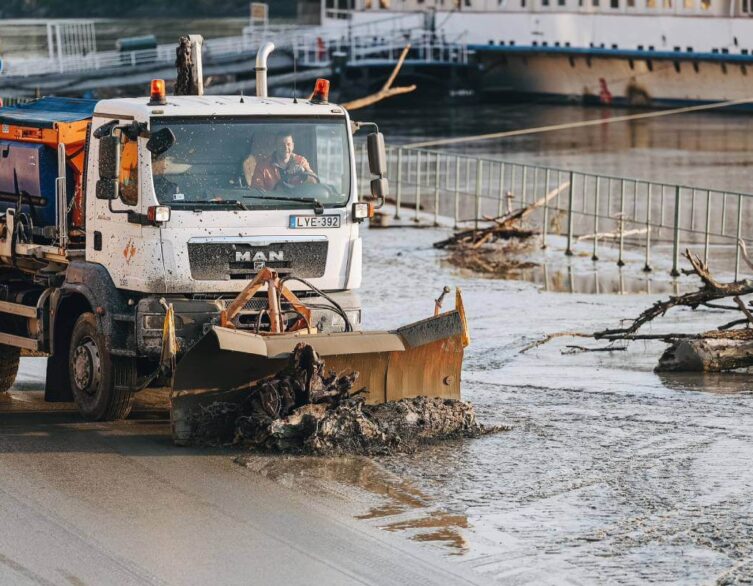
{"x": 9, "y": 358}
{"x": 100, "y": 382}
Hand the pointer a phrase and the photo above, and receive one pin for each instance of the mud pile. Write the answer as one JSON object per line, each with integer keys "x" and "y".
{"x": 307, "y": 409}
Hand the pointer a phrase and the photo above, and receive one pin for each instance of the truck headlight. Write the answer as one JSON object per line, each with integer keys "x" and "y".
{"x": 362, "y": 210}
{"x": 158, "y": 214}
{"x": 156, "y": 322}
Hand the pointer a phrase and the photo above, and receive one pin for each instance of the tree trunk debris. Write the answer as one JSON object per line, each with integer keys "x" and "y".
{"x": 306, "y": 408}
{"x": 718, "y": 350}
{"x": 185, "y": 84}
{"x": 492, "y": 249}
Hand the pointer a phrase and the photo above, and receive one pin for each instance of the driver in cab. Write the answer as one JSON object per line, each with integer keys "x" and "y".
{"x": 283, "y": 168}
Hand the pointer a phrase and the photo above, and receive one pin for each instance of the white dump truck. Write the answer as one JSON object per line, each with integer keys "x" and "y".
{"x": 131, "y": 227}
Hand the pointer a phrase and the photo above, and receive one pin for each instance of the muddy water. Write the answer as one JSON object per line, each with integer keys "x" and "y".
{"x": 610, "y": 472}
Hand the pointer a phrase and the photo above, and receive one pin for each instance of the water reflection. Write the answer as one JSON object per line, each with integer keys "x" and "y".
{"x": 717, "y": 383}
{"x": 401, "y": 507}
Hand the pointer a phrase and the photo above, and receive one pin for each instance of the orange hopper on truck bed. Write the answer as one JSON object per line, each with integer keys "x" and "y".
{"x": 47, "y": 122}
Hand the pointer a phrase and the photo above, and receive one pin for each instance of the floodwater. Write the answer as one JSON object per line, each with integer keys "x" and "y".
{"x": 610, "y": 472}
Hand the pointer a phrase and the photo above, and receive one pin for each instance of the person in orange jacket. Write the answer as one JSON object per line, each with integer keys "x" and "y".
{"x": 283, "y": 168}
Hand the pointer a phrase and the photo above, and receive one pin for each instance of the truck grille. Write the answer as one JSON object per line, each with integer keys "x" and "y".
{"x": 224, "y": 261}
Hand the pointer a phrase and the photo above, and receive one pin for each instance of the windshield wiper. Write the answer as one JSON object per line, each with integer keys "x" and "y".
{"x": 318, "y": 207}
{"x": 209, "y": 203}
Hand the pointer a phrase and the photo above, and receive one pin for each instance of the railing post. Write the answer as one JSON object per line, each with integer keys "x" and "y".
{"x": 398, "y": 194}
{"x": 479, "y": 177}
{"x": 436, "y": 190}
{"x": 501, "y": 188}
{"x": 647, "y": 266}
{"x": 676, "y": 239}
{"x": 524, "y": 187}
{"x": 739, "y": 232}
{"x": 545, "y": 227}
{"x": 595, "y": 255}
{"x": 457, "y": 189}
{"x": 570, "y": 191}
{"x": 708, "y": 228}
{"x": 418, "y": 186}
{"x": 620, "y": 262}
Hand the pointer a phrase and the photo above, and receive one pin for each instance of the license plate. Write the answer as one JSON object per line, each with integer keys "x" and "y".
{"x": 314, "y": 221}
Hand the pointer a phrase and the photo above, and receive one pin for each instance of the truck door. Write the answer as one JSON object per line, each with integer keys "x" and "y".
{"x": 113, "y": 239}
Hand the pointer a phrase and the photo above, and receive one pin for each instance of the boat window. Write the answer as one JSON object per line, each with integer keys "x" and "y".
{"x": 631, "y": 3}
{"x": 705, "y": 4}
{"x": 545, "y": 2}
{"x": 650, "y": 3}
{"x": 667, "y": 3}
{"x": 614, "y": 3}
{"x": 594, "y": 2}
{"x": 689, "y": 4}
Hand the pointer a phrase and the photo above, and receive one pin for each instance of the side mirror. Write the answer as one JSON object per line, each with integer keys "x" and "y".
{"x": 161, "y": 141}
{"x": 109, "y": 157}
{"x": 107, "y": 189}
{"x": 380, "y": 189}
{"x": 377, "y": 154}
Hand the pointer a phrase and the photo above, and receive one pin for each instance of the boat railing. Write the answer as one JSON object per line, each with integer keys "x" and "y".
{"x": 465, "y": 190}
{"x": 317, "y": 50}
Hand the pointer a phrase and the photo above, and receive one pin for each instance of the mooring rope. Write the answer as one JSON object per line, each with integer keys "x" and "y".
{"x": 581, "y": 124}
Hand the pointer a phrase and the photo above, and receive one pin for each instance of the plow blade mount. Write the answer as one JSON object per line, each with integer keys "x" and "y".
{"x": 421, "y": 359}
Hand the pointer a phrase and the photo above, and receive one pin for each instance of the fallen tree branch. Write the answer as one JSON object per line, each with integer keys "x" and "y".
{"x": 710, "y": 291}
{"x": 612, "y": 235}
{"x": 503, "y": 227}
{"x": 387, "y": 90}
{"x": 712, "y": 351}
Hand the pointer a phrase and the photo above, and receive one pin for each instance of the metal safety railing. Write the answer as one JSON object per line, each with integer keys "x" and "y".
{"x": 464, "y": 189}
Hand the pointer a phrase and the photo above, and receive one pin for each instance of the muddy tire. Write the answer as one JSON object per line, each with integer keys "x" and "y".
{"x": 9, "y": 358}
{"x": 101, "y": 383}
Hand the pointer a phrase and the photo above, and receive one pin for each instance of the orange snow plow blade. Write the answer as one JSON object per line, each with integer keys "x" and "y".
{"x": 421, "y": 359}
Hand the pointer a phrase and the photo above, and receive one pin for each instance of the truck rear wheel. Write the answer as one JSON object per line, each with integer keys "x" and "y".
{"x": 99, "y": 381}
{"x": 9, "y": 359}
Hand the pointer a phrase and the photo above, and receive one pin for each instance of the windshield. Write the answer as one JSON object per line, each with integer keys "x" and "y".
{"x": 261, "y": 163}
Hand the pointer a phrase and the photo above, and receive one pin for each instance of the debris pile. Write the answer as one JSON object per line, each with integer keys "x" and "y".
{"x": 492, "y": 249}
{"x": 306, "y": 408}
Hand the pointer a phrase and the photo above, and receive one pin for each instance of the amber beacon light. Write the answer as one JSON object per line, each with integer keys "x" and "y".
{"x": 321, "y": 92}
{"x": 157, "y": 95}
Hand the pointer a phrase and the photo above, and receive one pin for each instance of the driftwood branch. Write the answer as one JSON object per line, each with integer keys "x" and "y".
{"x": 503, "y": 227}
{"x": 722, "y": 349}
{"x": 387, "y": 90}
{"x": 710, "y": 291}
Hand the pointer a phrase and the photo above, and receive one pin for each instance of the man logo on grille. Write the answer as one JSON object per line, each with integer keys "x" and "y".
{"x": 259, "y": 258}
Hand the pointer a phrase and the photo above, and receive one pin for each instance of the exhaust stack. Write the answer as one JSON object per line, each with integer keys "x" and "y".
{"x": 261, "y": 68}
